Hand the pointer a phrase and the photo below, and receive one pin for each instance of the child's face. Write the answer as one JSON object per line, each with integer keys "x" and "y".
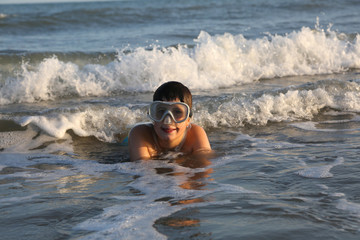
{"x": 169, "y": 131}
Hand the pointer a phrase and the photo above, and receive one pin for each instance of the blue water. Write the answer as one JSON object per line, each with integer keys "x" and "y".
{"x": 105, "y": 26}
{"x": 276, "y": 86}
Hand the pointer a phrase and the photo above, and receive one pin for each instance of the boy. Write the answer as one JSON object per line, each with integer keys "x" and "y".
{"x": 171, "y": 130}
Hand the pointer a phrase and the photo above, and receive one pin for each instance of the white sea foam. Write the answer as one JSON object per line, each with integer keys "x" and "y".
{"x": 338, "y": 195}
{"x": 133, "y": 220}
{"x": 230, "y": 188}
{"x": 15, "y": 200}
{"x": 124, "y": 221}
{"x": 130, "y": 221}
{"x": 323, "y": 186}
{"x": 322, "y": 171}
{"x": 351, "y": 207}
{"x": 265, "y": 143}
{"x": 299, "y": 102}
{"x": 337, "y": 113}
{"x": 101, "y": 122}
{"x": 130, "y": 198}
{"x": 8, "y": 139}
{"x": 56, "y": 126}
{"x": 134, "y": 216}
{"x": 288, "y": 104}
{"x": 216, "y": 61}
{"x": 312, "y": 126}
{"x": 31, "y": 141}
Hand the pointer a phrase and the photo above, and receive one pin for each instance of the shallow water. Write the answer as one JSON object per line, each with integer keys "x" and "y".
{"x": 288, "y": 179}
{"x": 276, "y": 87}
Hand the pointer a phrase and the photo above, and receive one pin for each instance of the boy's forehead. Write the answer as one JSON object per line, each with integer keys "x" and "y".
{"x": 170, "y": 100}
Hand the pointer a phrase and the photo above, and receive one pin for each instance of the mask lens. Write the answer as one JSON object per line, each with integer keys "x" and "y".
{"x": 178, "y": 111}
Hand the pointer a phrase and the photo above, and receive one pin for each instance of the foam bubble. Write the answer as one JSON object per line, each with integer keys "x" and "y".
{"x": 8, "y": 139}
{"x": 311, "y": 126}
{"x": 230, "y": 188}
{"x": 337, "y": 194}
{"x": 323, "y": 186}
{"x": 15, "y": 200}
{"x": 130, "y": 221}
{"x": 351, "y": 207}
{"x": 130, "y": 198}
{"x": 320, "y": 171}
{"x": 337, "y": 113}
{"x": 317, "y": 172}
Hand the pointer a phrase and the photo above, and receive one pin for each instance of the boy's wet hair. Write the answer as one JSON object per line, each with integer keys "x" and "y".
{"x": 170, "y": 91}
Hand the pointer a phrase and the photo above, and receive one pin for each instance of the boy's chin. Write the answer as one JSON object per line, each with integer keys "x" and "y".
{"x": 168, "y": 136}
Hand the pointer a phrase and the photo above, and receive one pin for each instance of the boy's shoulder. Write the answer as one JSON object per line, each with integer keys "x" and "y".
{"x": 196, "y": 129}
{"x": 197, "y": 139}
{"x": 141, "y": 128}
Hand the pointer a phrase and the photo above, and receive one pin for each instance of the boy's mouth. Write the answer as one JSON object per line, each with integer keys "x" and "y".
{"x": 168, "y": 130}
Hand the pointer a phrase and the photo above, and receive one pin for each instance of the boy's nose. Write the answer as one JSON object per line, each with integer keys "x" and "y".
{"x": 167, "y": 119}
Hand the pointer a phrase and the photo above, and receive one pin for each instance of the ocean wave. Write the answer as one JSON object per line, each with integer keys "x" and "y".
{"x": 111, "y": 123}
{"x": 216, "y": 61}
{"x": 287, "y": 104}
{"x": 103, "y": 122}
{"x": 3, "y": 15}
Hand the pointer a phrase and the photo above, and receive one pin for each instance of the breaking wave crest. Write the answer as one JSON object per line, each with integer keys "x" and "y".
{"x": 213, "y": 62}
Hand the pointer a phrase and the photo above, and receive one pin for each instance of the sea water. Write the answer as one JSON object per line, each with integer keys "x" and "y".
{"x": 275, "y": 85}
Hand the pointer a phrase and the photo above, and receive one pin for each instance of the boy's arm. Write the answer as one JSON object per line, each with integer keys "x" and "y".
{"x": 138, "y": 143}
{"x": 200, "y": 139}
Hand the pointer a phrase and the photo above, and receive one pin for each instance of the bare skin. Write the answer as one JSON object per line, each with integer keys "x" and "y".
{"x": 142, "y": 144}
